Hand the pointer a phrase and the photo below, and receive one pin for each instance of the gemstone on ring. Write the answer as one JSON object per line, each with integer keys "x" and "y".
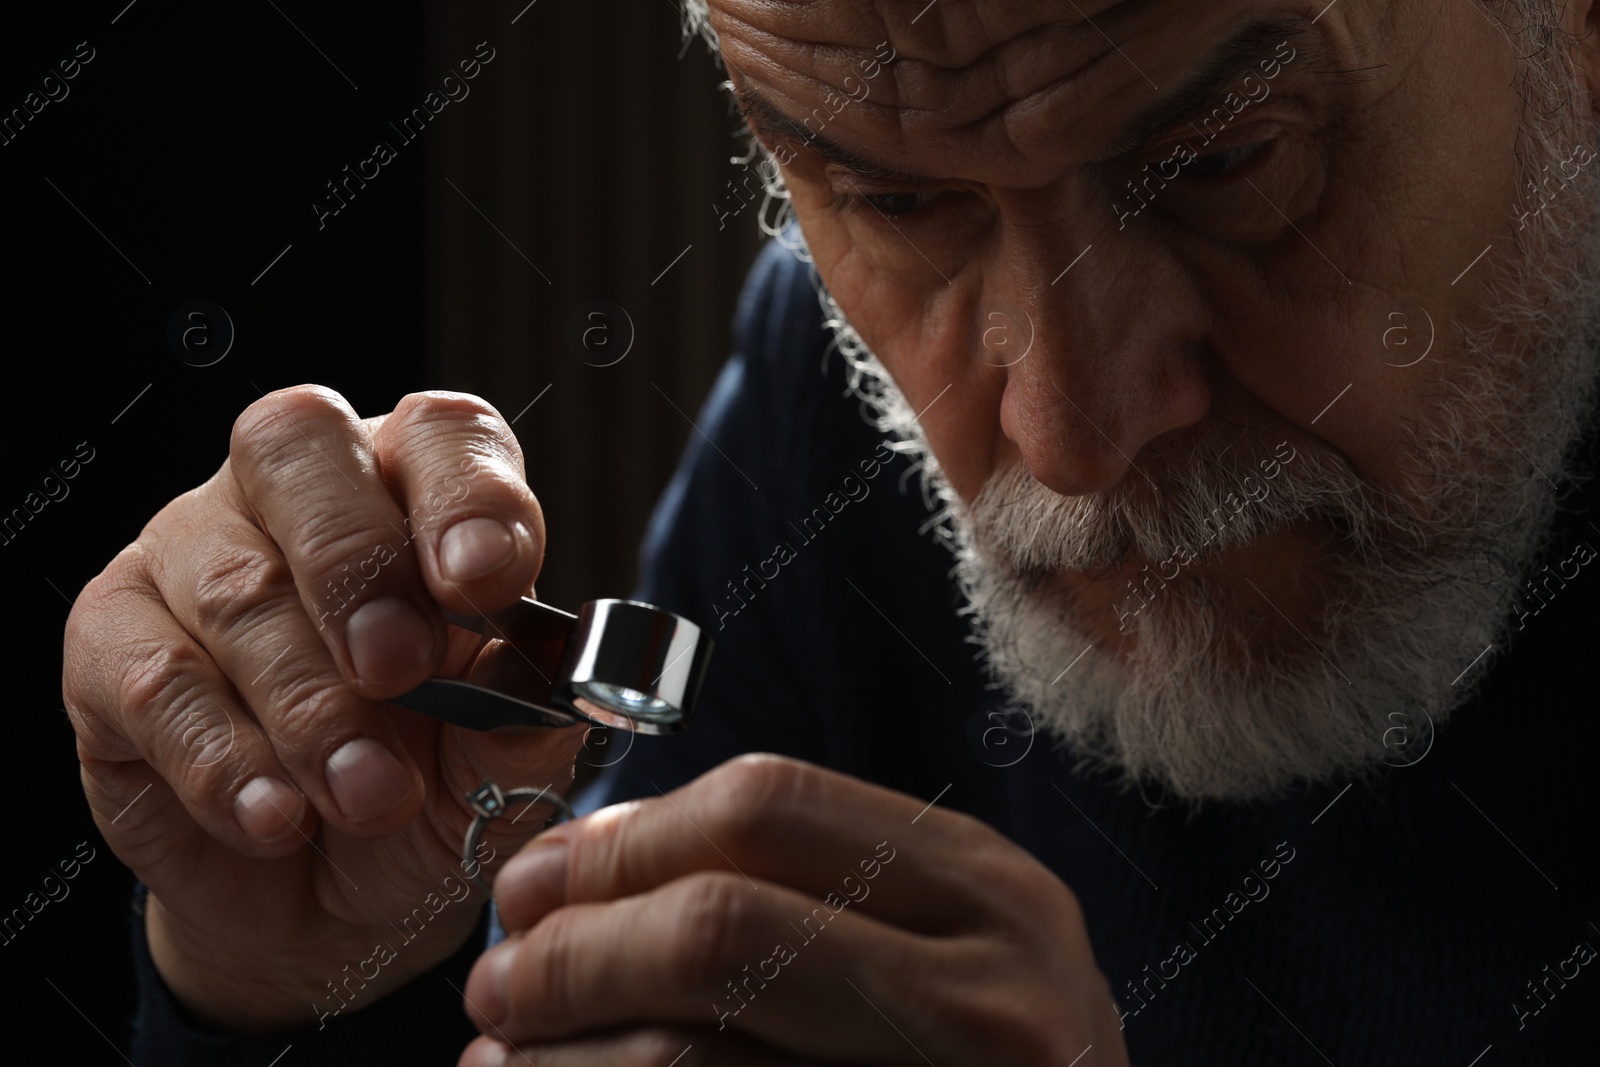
{"x": 488, "y": 801}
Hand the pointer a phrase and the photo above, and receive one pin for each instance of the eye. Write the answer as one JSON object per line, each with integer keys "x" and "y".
{"x": 1220, "y": 164}
{"x": 897, "y": 203}
{"x": 890, "y": 205}
{"x": 1239, "y": 193}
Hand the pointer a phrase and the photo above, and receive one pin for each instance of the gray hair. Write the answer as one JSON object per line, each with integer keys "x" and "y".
{"x": 697, "y": 23}
{"x": 1544, "y": 82}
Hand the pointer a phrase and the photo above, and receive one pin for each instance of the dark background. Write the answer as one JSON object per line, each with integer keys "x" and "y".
{"x": 181, "y": 164}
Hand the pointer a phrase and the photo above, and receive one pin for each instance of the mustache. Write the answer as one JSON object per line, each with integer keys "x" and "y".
{"x": 1200, "y": 496}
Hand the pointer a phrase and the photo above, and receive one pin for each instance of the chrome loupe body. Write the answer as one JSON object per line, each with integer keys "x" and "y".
{"x": 616, "y": 663}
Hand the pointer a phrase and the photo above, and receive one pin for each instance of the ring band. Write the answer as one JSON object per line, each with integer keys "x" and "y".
{"x": 490, "y": 802}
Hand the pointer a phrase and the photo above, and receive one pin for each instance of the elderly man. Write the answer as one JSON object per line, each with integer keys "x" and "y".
{"x": 1244, "y": 353}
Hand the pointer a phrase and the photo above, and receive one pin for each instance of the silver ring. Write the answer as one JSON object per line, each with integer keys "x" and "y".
{"x": 489, "y": 803}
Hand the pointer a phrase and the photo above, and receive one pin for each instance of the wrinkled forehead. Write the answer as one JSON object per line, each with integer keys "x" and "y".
{"x": 1002, "y": 84}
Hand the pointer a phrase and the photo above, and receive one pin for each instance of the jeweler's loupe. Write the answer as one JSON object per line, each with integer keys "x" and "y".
{"x": 616, "y": 663}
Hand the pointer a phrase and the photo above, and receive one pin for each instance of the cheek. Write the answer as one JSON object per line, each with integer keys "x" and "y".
{"x": 1302, "y": 360}
{"x": 1320, "y": 366}
{"x": 929, "y": 342}
{"x": 1301, "y": 340}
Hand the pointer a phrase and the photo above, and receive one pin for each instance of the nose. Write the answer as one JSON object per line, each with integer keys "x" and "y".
{"x": 1117, "y": 356}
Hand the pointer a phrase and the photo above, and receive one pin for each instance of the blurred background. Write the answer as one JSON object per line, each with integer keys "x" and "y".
{"x": 559, "y": 238}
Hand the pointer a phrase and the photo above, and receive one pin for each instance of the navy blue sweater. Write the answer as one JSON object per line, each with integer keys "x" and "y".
{"x": 1449, "y": 910}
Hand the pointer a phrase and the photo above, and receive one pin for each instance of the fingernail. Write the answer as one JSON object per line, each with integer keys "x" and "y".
{"x": 268, "y": 809}
{"x": 367, "y": 780}
{"x": 389, "y": 640}
{"x": 475, "y": 547}
{"x": 492, "y": 1055}
{"x": 537, "y": 877}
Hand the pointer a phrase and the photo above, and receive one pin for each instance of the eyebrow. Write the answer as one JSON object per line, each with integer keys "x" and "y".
{"x": 1232, "y": 61}
{"x": 765, "y": 118}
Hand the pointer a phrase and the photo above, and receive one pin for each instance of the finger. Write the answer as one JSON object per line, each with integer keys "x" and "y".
{"x": 710, "y": 949}
{"x": 469, "y": 514}
{"x": 141, "y": 691}
{"x": 783, "y": 821}
{"x": 304, "y": 466}
{"x": 226, "y": 583}
{"x": 643, "y": 1047}
{"x": 525, "y": 669}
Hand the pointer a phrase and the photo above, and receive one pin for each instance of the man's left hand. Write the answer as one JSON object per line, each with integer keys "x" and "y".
{"x": 773, "y": 913}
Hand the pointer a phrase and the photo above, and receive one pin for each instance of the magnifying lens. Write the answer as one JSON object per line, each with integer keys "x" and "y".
{"x": 616, "y": 663}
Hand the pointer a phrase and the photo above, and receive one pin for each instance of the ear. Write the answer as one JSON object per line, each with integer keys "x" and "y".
{"x": 1581, "y": 21}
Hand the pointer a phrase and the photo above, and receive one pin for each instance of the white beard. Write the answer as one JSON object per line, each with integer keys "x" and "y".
{"x": 1419, "y": 585}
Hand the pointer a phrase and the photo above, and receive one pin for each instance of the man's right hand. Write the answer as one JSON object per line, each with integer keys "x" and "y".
{"x": 226, "y": 675}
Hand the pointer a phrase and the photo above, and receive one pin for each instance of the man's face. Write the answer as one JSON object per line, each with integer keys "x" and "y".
{"x": 1126, "y": 259}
